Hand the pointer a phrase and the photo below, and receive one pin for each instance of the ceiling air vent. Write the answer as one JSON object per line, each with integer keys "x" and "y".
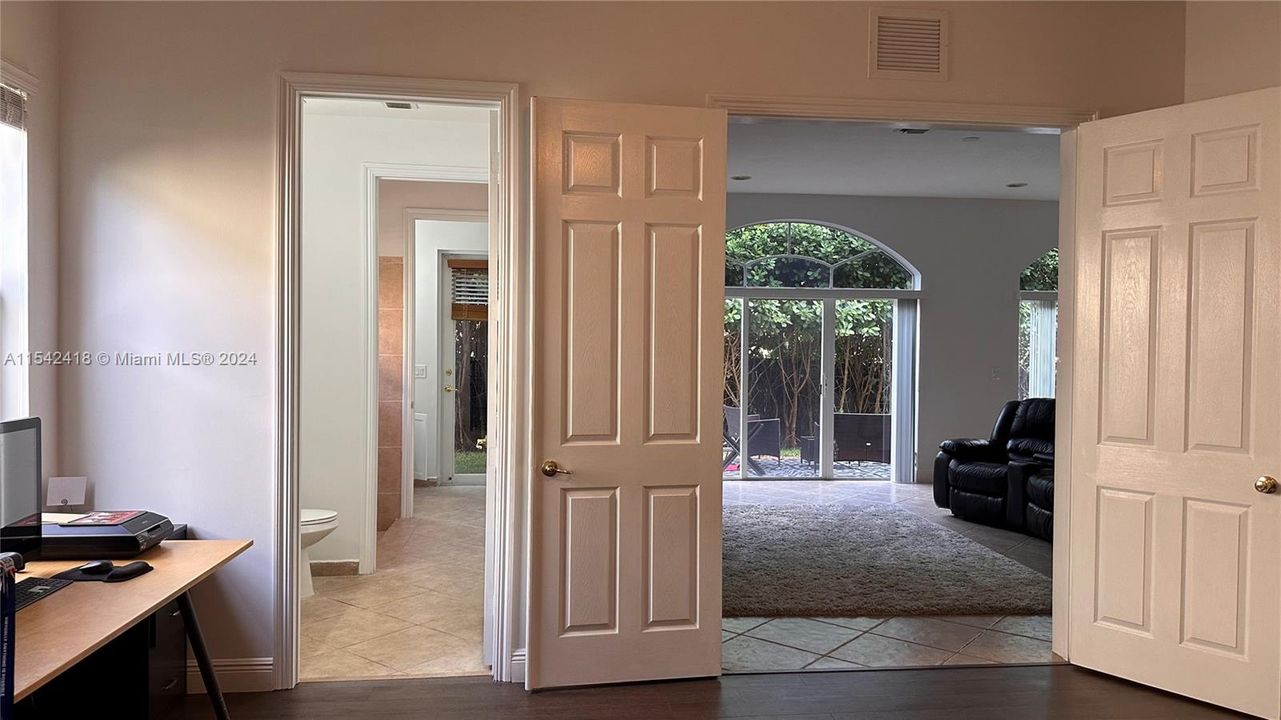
{"x": 908, "y": 44}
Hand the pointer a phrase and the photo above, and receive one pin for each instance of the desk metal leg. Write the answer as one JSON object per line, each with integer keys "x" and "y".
{"x": 198, "y": 649}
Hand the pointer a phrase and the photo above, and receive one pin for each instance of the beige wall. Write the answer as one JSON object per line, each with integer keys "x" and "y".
{"x": 1231, "y": 47}
{"x": 397, "y": 197}
{"x": 169, "y": 186}
{"x": 29, "y": 40}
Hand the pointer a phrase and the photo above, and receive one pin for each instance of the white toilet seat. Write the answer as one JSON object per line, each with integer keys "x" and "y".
{"x": 317, "y": 516}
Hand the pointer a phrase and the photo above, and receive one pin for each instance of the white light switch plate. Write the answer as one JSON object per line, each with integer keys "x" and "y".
{"x": 420, "y": 371}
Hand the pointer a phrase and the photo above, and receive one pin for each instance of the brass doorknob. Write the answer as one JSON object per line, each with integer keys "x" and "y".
{"x": 551, "y": 468}
{"x": 449, "y": 388}
{"x": 1266, "y": 484}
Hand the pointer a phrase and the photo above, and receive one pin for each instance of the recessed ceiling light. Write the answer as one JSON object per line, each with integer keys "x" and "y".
{"x": 740, "y": 177}
{"x": 970, "y": 138}
{"x": 1016, "y": 185}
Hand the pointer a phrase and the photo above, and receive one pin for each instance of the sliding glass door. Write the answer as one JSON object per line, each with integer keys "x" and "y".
{"x": 862, "y": 389}
{"x": 819, "y": 356}
{"x": 784, "y": 380}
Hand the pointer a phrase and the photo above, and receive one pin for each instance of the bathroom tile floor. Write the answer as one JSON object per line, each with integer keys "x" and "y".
{"x": 421, "y": 613}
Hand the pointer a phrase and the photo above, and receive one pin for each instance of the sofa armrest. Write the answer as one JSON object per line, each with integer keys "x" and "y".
{"x": 973, "y": 449}
{"x": 1016, "y": 493}
{"x": 942, "y": 495}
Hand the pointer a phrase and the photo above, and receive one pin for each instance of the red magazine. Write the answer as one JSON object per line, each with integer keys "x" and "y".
{"x": 104, "y": 517}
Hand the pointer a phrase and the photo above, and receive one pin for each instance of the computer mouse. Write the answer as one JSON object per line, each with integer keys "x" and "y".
{"x": 96, "y": 567}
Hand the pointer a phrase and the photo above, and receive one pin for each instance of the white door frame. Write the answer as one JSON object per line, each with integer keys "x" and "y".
{"x": 412, "y": 216}
{"x": 508, "y": 384}
{"x": 1027, "y": 119}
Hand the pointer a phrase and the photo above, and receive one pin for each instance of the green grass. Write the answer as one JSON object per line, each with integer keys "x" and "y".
{"x": 468, "y": 462}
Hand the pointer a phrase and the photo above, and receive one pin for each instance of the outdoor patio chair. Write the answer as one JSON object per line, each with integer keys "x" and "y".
{"x": 764, "y": 437}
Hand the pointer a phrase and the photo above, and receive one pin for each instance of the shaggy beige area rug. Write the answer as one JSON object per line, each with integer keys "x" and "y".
{"x": 833, "y": 561}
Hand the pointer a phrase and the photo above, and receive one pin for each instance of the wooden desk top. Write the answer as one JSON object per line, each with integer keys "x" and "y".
{"x": 61, "y": 630}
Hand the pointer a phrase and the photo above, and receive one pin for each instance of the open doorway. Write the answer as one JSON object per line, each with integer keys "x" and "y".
{"x": 889, "y": 287}
{"x": 393, "y": 572}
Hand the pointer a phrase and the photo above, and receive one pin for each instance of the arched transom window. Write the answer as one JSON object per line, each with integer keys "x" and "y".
{"x": 809, "y": 255}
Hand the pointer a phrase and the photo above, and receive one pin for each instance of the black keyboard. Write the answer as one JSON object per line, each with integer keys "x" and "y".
{"x": 33, "y": 588}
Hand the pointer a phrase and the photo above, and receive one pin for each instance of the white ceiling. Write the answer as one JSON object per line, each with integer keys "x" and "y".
{"x": 436, "y": 112}
{"x": 844, "y": 158}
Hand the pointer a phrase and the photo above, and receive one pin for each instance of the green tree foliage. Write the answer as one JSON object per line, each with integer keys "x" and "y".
{"x": 1043, "y": 273}
{"x": 799, "y": 255}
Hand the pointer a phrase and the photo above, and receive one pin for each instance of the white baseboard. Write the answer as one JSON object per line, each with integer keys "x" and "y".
{"x": 518, "y": 666}
{"x": 235, "y": 675}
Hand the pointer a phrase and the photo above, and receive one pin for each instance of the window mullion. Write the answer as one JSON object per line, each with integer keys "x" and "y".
{"x": 827, "y": 403}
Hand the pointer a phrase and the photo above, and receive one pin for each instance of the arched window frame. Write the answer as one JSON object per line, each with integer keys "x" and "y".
{"x": 906, "y": 312}
{"x": 914, "y": 285}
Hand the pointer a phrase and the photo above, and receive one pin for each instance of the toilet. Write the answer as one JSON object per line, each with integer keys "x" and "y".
{"x": 316, "y": 524}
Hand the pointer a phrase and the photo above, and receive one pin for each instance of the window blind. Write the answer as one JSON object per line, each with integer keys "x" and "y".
{"x": 13, "y": 107}
{"x": 470, "y": 289}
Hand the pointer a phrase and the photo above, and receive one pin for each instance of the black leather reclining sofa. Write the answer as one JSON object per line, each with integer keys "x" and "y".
{"x": 1008, "y": 479}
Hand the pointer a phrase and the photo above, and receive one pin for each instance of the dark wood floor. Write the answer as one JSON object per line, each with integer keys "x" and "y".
{"x": 1004, "y": 693}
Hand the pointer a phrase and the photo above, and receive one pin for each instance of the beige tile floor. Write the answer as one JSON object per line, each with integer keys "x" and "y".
{"x": 764, "y": 644}
{"x": 421, "y": 613}
{"x": 770, "y": 645}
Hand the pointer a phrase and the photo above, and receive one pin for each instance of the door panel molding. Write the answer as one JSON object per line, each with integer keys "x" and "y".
{"x": 625, "y": 574}
{"x": 1174, "y": 581}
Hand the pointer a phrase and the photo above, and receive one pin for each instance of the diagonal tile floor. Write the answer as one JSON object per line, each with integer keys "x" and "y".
{"x": 421, "y": 613}
{"x": 834, "y": 643}
{"x": 765, "y": 644}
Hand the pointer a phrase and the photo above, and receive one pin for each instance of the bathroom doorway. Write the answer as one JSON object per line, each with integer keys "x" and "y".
{"x": 449, "y": 323}
{"x": 464, "y": 337}
{"x": 393, "y": 569}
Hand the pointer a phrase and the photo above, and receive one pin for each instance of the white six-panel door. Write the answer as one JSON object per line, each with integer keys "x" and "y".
{"x": 629, "y": 214}
{"x": 1177, "y": 400}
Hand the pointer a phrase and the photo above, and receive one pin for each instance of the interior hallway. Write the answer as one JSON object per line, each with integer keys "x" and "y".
{"x": 421, "y": 613}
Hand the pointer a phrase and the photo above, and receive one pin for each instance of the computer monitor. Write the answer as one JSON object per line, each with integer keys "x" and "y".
{"x": 20, "y": 487}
